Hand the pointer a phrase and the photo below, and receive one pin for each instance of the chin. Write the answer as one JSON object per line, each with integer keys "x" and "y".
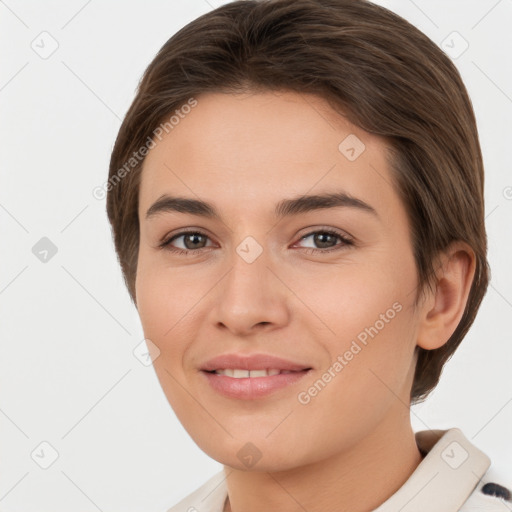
{"x": 245, "y": 455}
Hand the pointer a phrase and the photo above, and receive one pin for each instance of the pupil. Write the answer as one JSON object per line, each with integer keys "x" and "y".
{"x": 321, "y": 239}
{"x": 193, "y": 239}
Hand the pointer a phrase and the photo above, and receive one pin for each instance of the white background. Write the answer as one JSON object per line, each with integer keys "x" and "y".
{"x": 68, "y": 328}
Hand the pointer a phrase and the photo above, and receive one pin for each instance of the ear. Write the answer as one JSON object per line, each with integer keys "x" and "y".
{"x": 443, "y": 308}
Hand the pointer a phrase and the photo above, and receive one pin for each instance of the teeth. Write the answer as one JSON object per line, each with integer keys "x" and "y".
{"x": 258, "y": 373}
{"x": 243, "y": 374}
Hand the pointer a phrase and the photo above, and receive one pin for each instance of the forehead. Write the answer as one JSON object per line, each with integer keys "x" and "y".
{"x": 264, "y": 146}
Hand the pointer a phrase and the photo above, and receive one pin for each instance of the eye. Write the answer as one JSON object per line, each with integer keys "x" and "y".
{"x": 326, "y": 240}
{"x": 192, "y": 241}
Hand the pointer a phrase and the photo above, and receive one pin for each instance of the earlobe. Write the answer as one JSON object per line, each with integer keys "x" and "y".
{"x": 443, "y": 309}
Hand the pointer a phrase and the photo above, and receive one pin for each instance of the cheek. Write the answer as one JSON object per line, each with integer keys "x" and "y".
{"x": 349, "y": 298}
{"x": 162, "y": 304}
{"x": 368, "y": 328}
{"x": 165, "y": 306}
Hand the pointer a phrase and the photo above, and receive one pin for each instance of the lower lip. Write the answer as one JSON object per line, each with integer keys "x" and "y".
{"x": 251, "y": 388}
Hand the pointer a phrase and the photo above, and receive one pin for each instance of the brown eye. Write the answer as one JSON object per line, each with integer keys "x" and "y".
{"x": 326, "y": 241}
{"x": 191, "y": 242}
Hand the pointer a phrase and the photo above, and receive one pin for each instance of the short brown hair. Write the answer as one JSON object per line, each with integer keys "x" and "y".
{"x": 372, "y": 66}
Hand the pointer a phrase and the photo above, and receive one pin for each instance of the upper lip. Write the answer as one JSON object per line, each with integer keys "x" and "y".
{"x": 251, "y": 362}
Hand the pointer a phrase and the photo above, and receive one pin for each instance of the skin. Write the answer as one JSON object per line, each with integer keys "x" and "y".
{"x": 243, "y": 153}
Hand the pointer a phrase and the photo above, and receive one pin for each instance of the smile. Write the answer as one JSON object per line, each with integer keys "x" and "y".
{"x": 241, "y": 374}
{"x": 251, "y": 384}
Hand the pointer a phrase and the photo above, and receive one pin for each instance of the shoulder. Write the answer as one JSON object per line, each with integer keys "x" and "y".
{"x": 493, "y": 493}
{"x": 209, "y": 497}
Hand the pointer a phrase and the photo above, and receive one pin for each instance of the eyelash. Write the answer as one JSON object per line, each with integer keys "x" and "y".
{"x": 188, "y": 252}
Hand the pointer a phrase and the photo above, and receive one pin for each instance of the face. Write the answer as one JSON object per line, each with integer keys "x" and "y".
{"x": 325, "y": 285}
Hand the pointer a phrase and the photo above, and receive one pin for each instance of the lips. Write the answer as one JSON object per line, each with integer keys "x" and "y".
{"x": 238, "y": 373}
{"x": 250, "y": 377}
{"x": 253, "y": 362}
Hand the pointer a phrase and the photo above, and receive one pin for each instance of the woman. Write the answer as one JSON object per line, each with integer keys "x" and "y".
{"x": 296, "y": 199}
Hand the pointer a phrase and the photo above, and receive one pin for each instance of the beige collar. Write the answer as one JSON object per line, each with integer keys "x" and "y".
{"x": 444, "y": 479}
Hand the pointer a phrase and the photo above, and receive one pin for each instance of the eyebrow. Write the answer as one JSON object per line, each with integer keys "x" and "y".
{"x": 284, "y": 208}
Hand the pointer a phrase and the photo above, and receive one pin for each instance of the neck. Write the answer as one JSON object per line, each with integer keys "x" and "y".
{"x": 357, "y": 480}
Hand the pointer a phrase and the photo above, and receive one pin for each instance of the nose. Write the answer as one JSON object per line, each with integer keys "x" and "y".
{"x": 250, "y": 297}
